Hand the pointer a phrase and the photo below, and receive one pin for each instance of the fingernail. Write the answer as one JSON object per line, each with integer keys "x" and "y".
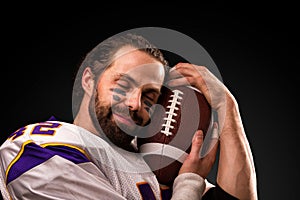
{"x": 198, "y": 136}
{"x": 172, "y": 69}
{"x": 216, "y": 125}
{"x": 215, "y": 133}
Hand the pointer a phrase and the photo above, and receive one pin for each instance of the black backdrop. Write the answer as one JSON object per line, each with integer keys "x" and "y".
{"x": 252, "y": 45}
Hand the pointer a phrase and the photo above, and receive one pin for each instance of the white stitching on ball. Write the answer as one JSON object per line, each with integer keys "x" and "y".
{"x": 169, "y": 119}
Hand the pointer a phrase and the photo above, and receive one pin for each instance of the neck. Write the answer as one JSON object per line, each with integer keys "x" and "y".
{"x": 84, "y": 120}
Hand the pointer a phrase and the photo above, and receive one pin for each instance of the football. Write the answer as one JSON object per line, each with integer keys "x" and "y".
{"x": 167, "y": 140}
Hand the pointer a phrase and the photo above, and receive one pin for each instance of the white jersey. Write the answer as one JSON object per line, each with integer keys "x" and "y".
{"x": 58, "y": 160}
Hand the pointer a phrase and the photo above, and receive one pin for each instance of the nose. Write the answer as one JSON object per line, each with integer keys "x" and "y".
{"x": 134, "y": 100}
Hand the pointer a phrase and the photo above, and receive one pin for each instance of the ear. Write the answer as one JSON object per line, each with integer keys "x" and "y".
{"x": 87, "y": 81}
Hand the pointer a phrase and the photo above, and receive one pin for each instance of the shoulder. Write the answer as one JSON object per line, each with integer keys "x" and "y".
{"x": 36, "y": 143}
{"x": 41, "y": 135}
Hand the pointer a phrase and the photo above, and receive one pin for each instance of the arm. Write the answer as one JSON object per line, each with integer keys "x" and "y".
{"x": 236, "y": 172}
{"x": 240, "y": 178}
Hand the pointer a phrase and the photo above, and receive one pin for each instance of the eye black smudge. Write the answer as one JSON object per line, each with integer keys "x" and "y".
{"x": 119, "y": 91}
{"x": 148, "y": 103}
{"x": 116, "y": 98}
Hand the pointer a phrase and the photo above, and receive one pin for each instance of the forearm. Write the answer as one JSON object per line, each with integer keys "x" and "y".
{"x": 236, "y": 172}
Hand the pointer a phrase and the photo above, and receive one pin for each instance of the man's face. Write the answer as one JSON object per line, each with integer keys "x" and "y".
{"x": 125, "y": 93}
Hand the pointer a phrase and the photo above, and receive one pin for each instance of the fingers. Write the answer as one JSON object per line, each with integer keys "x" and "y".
{"x": 183, "y": 74}
{"x": 210, "y": 147}
{"x": 189, "y": 74}
{"x": 194, "y": 163}
{"x": 191, "y": 164}
{"x": 201, "y": 78}
{"x": 196, "y": 144}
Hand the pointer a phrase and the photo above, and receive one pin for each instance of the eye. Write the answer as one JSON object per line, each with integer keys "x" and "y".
{"x": 148, "y": 96}
{"x": 151, "y": 97}
{"x": 123, "y": 84}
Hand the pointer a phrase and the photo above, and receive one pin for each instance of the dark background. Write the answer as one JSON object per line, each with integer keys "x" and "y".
{"x": 253, "y": 45}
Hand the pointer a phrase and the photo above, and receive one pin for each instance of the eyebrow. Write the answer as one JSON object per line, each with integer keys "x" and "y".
{"x": 126, "y": 76}
{"x": 148, "y": 90}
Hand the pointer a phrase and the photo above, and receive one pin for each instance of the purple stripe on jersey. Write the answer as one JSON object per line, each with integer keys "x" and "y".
{"x": 52, "y": 118}
{"x": 166, "y": 194}
{"x": 146, "y": 191}
{"x": 34, "y": 155}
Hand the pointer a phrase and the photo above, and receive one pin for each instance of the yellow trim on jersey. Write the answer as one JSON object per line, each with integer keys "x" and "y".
{"x": 67, "y": 145}
{"x": 42, "y": 145}
{"x": 142, "y": 183}
{"x": 164, "y": 187}
{"x": 17, "y": 157}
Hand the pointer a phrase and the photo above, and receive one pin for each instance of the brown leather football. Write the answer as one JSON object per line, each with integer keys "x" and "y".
{"x": 168, "y": 137}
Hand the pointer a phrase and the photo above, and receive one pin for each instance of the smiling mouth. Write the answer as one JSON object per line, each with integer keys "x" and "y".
{"x": 124, "y": 120}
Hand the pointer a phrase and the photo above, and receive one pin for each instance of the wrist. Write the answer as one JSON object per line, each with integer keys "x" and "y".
{"x": 229, "y": 119}
{"x": 188, "y": 186}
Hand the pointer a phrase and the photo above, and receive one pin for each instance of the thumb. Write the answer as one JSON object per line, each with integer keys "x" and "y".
{"x": 196, "y": 144}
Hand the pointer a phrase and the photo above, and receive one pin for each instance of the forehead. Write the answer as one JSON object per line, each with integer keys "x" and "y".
{"x": 140, "y": 66}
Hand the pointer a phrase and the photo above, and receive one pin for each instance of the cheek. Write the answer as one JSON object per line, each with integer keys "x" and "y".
{"x": 104, "y": 96}
{"x": 146, "y": 113}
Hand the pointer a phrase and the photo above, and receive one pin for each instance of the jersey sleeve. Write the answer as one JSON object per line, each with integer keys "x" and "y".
{"x": 37, "y": 162}
{"x": 67, "y": 174}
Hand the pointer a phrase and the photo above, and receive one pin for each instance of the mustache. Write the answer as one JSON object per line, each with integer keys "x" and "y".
{"x": 124, "y": 111}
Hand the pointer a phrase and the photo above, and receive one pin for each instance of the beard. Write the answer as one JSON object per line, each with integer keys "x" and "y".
{"x": 119, "y": 134}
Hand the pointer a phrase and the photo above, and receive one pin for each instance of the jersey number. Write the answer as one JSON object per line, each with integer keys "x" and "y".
{"x": 43, "y": 128}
